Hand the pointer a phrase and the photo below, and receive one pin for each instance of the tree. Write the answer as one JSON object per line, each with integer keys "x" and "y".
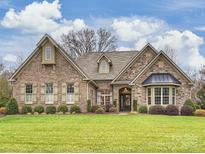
{"x": 170, "y": 53}
{"x": 87, "y": 40}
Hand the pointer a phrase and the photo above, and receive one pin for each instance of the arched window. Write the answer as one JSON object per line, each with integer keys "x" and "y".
{"x": 104, "y": 67}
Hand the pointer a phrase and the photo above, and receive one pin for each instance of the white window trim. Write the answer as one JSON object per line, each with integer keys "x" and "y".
{"x": 26, "y": 94}
{"x": 107, "y": 70}
{"x": 153, "y": 95}
{"x": 48, "y": 48}
{"x": 104, "y": 96}
{"x": 70, "y": 94}
{"x": 46, "y": 95}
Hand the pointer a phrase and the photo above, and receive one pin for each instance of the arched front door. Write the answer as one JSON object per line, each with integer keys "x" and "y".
{"x": 125, "y": 99}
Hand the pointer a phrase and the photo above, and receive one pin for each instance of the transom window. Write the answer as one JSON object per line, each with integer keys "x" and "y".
{"x": 104, "y": 97}
{"x": 29, "y": 92}
{"x": 48, "y": 53}
{"x": 161, "y": 95}
{"x": 104, "y": 67}
{"x": 49, "y": 93}
{"x": 70, "y": 93}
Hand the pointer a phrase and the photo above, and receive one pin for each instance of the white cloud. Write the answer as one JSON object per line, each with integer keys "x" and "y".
{"x": 10, "y": 58}
{"x": 41, "y": 17}
{"x": 200, "y": 28}
{"x": 140, "y": 31}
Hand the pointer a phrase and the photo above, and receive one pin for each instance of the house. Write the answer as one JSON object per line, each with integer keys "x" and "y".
{"x": 49, "y": 76}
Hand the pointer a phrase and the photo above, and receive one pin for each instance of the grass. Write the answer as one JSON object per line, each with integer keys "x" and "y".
{"x": 102, "y": 133}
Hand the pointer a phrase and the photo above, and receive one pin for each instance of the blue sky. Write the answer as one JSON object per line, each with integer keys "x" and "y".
{"x": 174, "y": 23}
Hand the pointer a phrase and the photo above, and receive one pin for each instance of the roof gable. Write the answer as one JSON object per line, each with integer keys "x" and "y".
{"x": 161, "y": 53}
{"x": 136, "y": 57}
{"x": 43, "y": 40}
{"x": 104, "y": 56}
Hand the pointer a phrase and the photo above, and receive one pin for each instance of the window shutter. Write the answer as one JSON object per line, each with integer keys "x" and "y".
{"x": 35, "y": 92}
{"x": 111, "y": 102}
{"x": 55, "y": 85}
{"x": 22, "y": 93}
{"x": 42, "y": 92}
{"x": 98, "y": 98}
{"x": 64, "y": 86}
{"x": 76, "y": 91}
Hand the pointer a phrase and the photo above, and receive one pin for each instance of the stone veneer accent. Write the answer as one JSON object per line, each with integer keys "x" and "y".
{"x": 183, "y": 92}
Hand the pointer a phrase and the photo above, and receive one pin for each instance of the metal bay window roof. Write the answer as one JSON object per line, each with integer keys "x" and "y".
{"x": 161, "y": 79}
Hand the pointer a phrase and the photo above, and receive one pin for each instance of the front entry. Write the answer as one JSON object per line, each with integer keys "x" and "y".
{"x": 125, "y": 99}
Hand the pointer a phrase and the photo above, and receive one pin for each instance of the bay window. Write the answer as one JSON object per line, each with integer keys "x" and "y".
{"x": 49, "y": 93}
{"x": 29, "y": 92}
{"x": 70, "y": 93}
{"x": 163, "y": 95}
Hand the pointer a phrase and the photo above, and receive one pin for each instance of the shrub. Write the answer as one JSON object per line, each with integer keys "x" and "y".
{"x": 142, "y": 109}
{"x": 107, "y": 107}
{"x": 75, "y": 109}
{"x": 202, "y": 105}
{"x": 89, "y": 106}
{"x": 172, "y": 110}
{"x": 3, "y": 101}
{"x": 94, "y": 108}
{"x": 113, "y": 109}
{"x": 26, "y": 109}
{"x": 100, "y": 110}
{"x": 39, "y": 109}
{"x": 187, "y": 110}
{"x": 2, "y": 110}
{"x": 197, "y": 106}
{"x": 190, "y": 103}
{"x": 50, "y": 109}
{"x": 157, "y": 109}
{"x": 62, "y": 108}
{"x": 199, "y": 112}
{"x": 12, "y": 106}
{"x": 135, "y": 105}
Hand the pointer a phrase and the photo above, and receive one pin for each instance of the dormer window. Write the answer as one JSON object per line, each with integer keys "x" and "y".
{"x": 48, "y": 53}
{"x": 104, "y": 66}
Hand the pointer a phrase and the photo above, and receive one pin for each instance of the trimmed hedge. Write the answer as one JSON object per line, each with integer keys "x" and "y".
{"x": 135, "y": 105}
{"x": 172, "y": 110}
{"x": 50, "y": 109}
{"x": 39, "y": 109}
{"x": 202, "y": 105}
{"x": 115, "y": 103}
{"x": 75, "y": 109}
{"x": 187, "y": 110}
{"x": 190, "y": 103}
{"x": 12, "y": 106}
{"x": 89, "y": 106}
{"x": 62, "y": 108}
{"x": 200, "y": 112}
{"x": 26, "y": 109}
{"x": 100, "y": 110}
{"x": 142, "y": 109}
{"x": 157, "y": 109}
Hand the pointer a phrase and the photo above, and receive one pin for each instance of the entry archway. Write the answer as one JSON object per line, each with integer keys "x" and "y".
{"x": 125, "y": 99}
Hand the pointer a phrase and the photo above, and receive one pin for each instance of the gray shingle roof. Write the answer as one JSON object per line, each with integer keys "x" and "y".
{"x": 161, "y": 78}
{"x": 88, "y": 63}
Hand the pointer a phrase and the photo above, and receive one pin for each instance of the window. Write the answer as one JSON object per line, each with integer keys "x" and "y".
{"x": 104, "y": 97}
{"x": 149, "y": 96}
{"x": 173, "y": 95}
{"x": 29, "y": 91}
{"x": 161, "y": 95}
{"x": 49, "y": 93}
{"x": 70, "y": 93}
{"x": 104, "y": 67}
{"x": 165, "y": 99}
{"x": 48, "y": 53}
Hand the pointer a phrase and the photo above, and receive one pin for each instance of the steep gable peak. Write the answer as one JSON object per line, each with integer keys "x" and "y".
{"x": 104, "y": 56}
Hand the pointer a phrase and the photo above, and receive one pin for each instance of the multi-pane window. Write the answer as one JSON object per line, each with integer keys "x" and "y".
{"x": 104, "y": 97}
{"x": 173, "y": 95}
{"x": 70, "y": 93}
{"x": 161, "y": 95}
{"x": 104, "y": 67}
{"x": 149, "y": 96}
{"x": 48, "y": 53}
{"x": 29, "y": 92}
{"x": 165, "y": 99}
{"x": 49, "y": 93}
{"x": 157, "y": 95}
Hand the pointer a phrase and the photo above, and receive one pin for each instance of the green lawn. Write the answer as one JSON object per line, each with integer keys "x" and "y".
{"x": 102, "y": 133}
